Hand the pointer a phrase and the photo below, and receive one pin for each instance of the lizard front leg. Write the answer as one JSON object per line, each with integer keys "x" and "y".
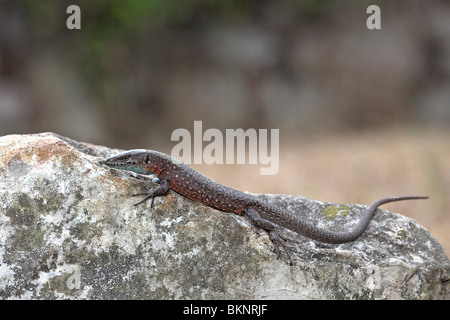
{"x": 157, "y": 192}
{"x": 272, "y": 228}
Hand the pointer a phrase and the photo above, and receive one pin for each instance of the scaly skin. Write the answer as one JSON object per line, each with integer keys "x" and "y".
{"x": 184, "y": 180}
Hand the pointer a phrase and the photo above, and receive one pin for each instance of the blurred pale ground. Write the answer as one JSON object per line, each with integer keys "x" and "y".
{"x": 363, "y": 114}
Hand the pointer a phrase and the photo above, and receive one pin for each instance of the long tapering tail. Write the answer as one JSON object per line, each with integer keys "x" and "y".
{"x": 341, "y": 237}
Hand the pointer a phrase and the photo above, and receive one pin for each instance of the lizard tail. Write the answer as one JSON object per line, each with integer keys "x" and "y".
{"x": 296, "y": 224}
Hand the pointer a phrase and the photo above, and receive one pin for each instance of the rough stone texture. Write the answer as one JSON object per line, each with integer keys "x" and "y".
{"x": 69, "y": 230}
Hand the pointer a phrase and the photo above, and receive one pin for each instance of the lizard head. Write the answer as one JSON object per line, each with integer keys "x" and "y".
{"x": 139, "y": 161}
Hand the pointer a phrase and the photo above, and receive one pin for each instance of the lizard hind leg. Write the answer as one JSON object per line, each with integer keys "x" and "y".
{"x": 273, "y": 230}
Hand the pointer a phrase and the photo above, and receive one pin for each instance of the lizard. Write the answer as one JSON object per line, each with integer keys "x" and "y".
{"x": 181, "y": 178}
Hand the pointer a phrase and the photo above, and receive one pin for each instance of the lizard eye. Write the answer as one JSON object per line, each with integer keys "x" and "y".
{"x": 146, "y": 160}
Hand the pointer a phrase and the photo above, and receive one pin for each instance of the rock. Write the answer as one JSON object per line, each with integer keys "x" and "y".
{"x": 69, "y": 230}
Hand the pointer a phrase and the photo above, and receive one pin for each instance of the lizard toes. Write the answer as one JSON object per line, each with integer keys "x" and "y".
{"x": 280, "y": 244}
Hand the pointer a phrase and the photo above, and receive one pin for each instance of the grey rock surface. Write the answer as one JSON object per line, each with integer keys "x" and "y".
{"x": 69, "y": 230}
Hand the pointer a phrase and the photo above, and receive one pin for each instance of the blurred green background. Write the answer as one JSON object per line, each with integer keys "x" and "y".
{"x": 362, "y": 113}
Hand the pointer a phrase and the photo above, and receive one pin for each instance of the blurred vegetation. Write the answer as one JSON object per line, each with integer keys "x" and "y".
{"x": 107, "y": 23}
{"x": 130, "y": 55}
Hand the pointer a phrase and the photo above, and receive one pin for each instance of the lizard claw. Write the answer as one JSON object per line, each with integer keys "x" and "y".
{"x": 151, "y": 194}
{"x": 145, "y": 199}
{"x": 148, "y": 194}
{"x": 273, "y": 230}
{"x": 279, "y": 241}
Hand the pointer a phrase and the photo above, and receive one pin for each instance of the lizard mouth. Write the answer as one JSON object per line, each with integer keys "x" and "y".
{"x": 125, "y": 165}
